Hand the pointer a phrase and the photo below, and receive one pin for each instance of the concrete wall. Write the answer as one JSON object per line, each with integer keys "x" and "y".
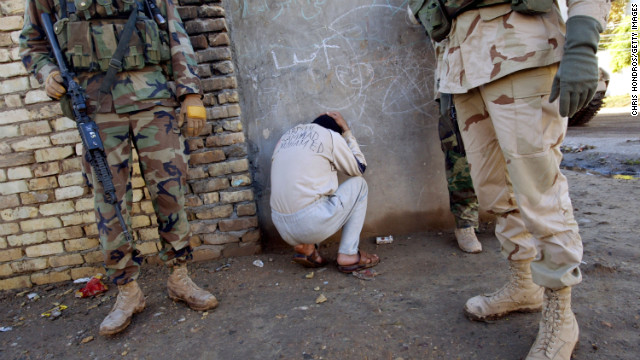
{"x": 297, "y": 59}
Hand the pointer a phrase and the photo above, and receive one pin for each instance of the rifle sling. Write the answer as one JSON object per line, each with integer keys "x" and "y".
{"x": 116, "y": 60}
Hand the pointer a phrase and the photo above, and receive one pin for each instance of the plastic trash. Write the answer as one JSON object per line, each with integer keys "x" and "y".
{"x": 94, "y": 286}
{"x": 384, "y": 239}
{"x": 258, "y": 263}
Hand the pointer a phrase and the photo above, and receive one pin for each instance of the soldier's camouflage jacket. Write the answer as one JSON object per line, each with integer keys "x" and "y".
{"x": 479, "y": 51}
{"x": 159, "y": 67}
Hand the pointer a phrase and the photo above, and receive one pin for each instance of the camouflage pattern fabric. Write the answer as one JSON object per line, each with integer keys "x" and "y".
{"x": 163, "y": 164}
{"x": 154, "y": 84}
{"x": 500, "y": 65}
{"x": 139, "y": 114}
{"x": 462, "y": 196}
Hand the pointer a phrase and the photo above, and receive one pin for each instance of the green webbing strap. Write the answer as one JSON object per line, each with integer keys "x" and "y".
{"x": 116, "y": 60}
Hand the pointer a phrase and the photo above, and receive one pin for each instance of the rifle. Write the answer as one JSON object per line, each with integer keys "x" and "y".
{"x": 88, "y": 129}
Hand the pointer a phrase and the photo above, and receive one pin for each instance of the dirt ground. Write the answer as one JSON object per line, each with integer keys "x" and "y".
{"x": 412, "y": 310}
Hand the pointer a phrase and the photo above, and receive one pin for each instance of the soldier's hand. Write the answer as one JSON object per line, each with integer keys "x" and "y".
{"x": 53, "y": 85}
{"x": 193, "y": 110}
{"x": 576, "y": 81}
{"x": 339, "y": 120}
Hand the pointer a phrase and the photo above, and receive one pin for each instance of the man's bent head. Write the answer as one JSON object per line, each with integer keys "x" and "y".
{"x": 328, "y": 122}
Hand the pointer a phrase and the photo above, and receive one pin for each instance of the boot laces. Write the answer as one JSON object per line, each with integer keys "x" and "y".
{"x": 183, "y": 278}
{"x": 515, "y": 278}
{"x": 123, "y": 293}
{"x": 551, "y": 323}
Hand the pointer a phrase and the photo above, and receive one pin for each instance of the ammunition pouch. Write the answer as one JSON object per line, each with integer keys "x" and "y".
{"x": 437, "y": 15}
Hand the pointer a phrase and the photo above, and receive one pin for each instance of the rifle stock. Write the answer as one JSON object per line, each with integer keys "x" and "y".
{"x": 88, "y": 129}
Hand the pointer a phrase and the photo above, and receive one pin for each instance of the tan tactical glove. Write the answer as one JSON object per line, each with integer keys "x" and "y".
{"x": 193, "y": 110}
{"x": 53, "y": 85}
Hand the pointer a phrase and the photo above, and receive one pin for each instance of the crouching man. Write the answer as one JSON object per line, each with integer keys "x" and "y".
{"x": 307, "y": 204}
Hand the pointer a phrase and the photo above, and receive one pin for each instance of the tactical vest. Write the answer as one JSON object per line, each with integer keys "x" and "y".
{"x": 436, "y": 15}
{"x": 88, "y": 33}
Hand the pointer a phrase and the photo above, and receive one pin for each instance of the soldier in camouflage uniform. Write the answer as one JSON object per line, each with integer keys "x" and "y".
{"x": 157, "y": 73}
{"x": 506, "y": 62}
{"x": 462, "y": 197}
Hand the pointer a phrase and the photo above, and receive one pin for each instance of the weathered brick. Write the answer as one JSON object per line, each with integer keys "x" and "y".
{"x": 15, "y": 159}
{"x": 4, "y": 147}
{"x": 40, "y": 224}
{"x": 251, "y": 236}
{"x": 195, "y": 144}
{"x": 197, "y": 26}
{"x": 66, "y": 260}
{"x": 5, "y": 39}
{"x": 67, "y": 137}
{"x": 64, "y": 123}
{"x": 225, "y": 139}
{"x": 232, "y": 125}
{"x": 9, "y": 23}
{"x": 29, "y": 265}
{"x": 218, "y": 239}
{"x": 12, "y": 69}
{"x": 94, "y": 257}
{"x": 44, "y": 183}
{"x": 35, "y": 197}
{"x": 236, "y": 150}
{"x": 19, "y": 173}
{"x": 219, "y": 39}
{"x": 74, "y": 164}
{"x": 215, "y": 212}
{"x": 84, "y": 204}
{"x": 219, "y": 83}
{"x": 25, "y": 212}
{"x": 192, "y": 200}
{"x": 217, "y": 112}
{"x": 10, "y": 255}
{"x": 210, "y": 185}
{"x": 13, "y": 100}
{"x": 31, "y": 143}
{"x": 204, "y": 70}
{"x": 210, "y": 11}
{"x": 238, "y": 224}
{"x": 51, "y": 277}
{"x": 242, "y": 249}
{"x": 44, "y": 249}
{"x": 146, "y": 248}
{"x": 70, "y": 192}
{"x": 14, "y": 85}
{"x": 147, "y": 207}
{"x": 52, "y": 154}
{"x": 12, "y": 7}
{"x": 80, "y": 244}
{"x": 18, "y": 282}
{"x": 35, "y": 128}
{"x": 206, "y": 157}
{"x": 5, "y": 270}
{"x": 9, "y": 132}
{"x": 202, "y": 227}
{"x": 9, "y": 201}
{"x": 9, "y": 228}
{"x": 36, "y": 96}
{"x": 240, "y": 180}
{"x": 65, "y": 233}
{"x": 91, "y": 229}
{"x": 228, "y": 167}
{"x": 46, "y": 111}
{"x": 196, "y": 173}
{"x": 236, "y": 196}
{"x": 223, "y": 68}
{"x": 13, "y": 187}
{"x": 207, "y": 252}
{"x": 246, "y": 209}
{"x": 148, "y": 234}
{"x": 83, "y": 272}
{"x": 58, "y": 208}
{"x": 3, "y": 242}
{"x": 228, "y": 97}
{"x": 210, "y": 198}
{"x": 46, "y": 169}
{"x": 199, "y": 42}
{"x": 70, "y": 179}
{"x": 140, "y": 221}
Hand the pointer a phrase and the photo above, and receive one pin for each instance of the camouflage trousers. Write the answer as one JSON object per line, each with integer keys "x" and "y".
{"x": 154, "y": 134}
{"x": 512, "y": 135}
{"x": 462, "y": 196}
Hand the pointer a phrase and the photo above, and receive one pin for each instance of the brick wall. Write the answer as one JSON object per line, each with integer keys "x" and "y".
{"x": 48, "y": 232}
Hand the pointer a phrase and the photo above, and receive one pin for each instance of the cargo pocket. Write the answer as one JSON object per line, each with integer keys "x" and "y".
{"x": 150, "y": 35}
{"x": 60, "y": 28}
{"x": 126, "y": 6}
{"x": 105, "y": 8}
{"x": 85, "y": 9}
{"x": 80, "y": 52}
{"x": 104, "y": 39}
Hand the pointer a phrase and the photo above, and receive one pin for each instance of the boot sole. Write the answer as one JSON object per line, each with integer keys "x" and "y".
{"x": 474, "y": 317}
{"x": 126, "y": 323}
{"x": 192, "y": 307}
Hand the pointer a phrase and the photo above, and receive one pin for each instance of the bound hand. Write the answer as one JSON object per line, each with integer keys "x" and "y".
{"x": 53, "y": 85}
{"x": 193, "y": 110}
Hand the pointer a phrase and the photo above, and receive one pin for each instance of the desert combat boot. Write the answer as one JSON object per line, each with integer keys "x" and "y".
{"x": 467, "y": 240}
{"x": 519, "y": 294}
{"x": 182, "y": 288}
{"x": 130, "y": 301}
{"x": 558, "y": 333}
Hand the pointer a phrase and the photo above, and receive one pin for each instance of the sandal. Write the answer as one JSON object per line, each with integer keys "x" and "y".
{"x": 365, "y": 261}
{"x": 310, "y": 261}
